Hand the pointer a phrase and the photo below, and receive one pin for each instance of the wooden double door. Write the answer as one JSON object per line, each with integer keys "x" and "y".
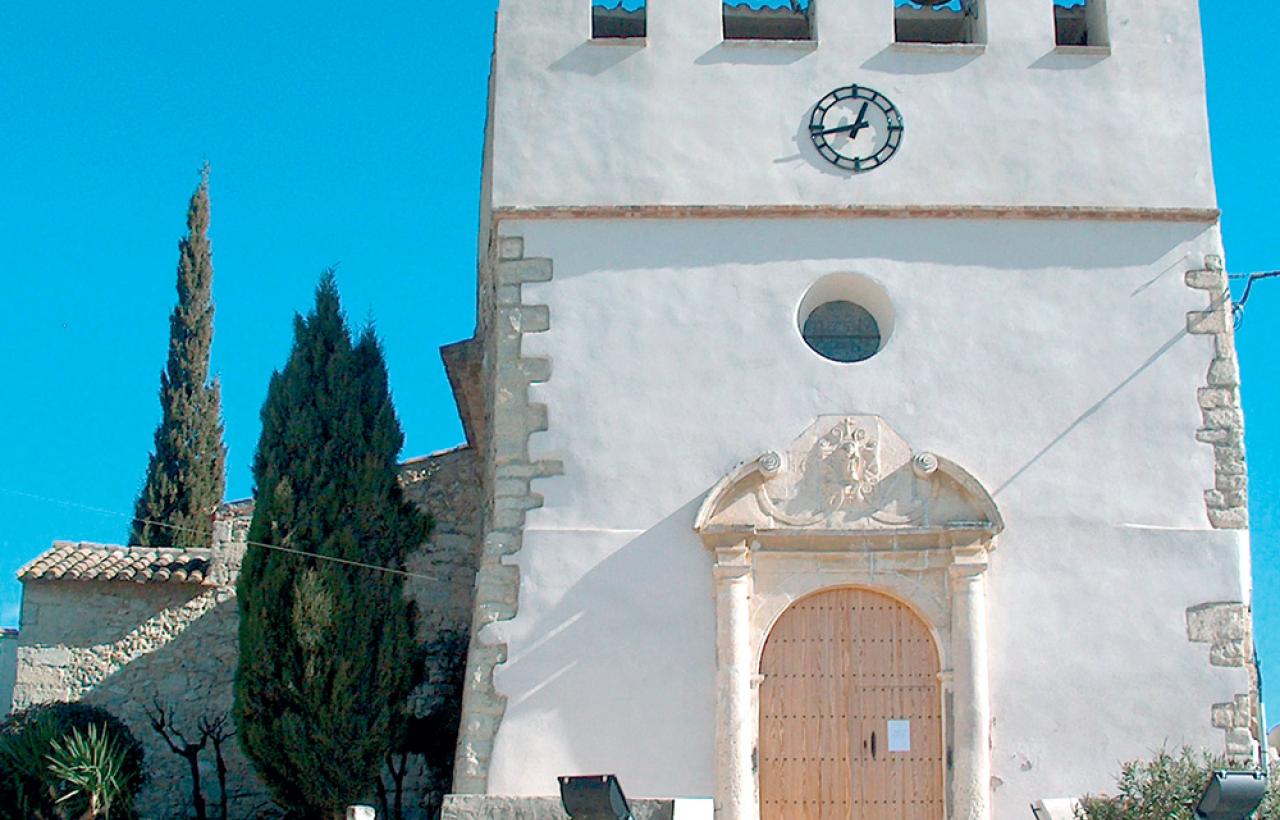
{"x": 850, "y": 712}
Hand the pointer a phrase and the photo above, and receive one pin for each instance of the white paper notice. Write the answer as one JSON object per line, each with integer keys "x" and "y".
{"x": 899, "y": 735}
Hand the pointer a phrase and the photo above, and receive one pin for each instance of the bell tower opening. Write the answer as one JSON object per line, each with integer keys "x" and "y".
{"x": 1080, "y": 23}
{"x": 941, "y": 22}
{"x": 768, "y": 20}
{"x": 618, "y": 19}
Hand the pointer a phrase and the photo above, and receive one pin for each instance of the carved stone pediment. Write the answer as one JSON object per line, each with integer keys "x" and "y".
{"x": 848, "y": 475}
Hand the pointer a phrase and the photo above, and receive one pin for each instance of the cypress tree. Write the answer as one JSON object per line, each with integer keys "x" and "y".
{"x": 326, "y": 647}
{"x": 185, "y": 474}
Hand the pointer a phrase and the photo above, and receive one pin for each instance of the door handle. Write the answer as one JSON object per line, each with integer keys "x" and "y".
{"x": 873, "y": 745}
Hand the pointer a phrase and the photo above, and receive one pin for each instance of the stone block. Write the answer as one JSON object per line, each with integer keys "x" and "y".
{"x": 484, "y": 807}
{"x": 511, "y": 487}
{"x": 508, "y": 518}
{"x": 1232, "y": 482}
{"x": 1224, "y": 372}
{"x": 536, "y": 369}
{"x": 1227, "y": 418}
{"x": 508, "y": 295}
{"x": 536, "y": 469}
{"x": 1239, "y": 743}
{"x": 536, "y": 418}
{"x": 1218, "y": 621}
{"x": 1230, "y": 458}
{"x": 1206, "y": 280}
{"x": 1207, "y": 321}
{"x": 1228, "y": 654}
{"x": 517, "y": 271}
{"x": 510, "y": 247}
{"x": 1236, "y": 518}
{"x": 534, "y": 318}
{"x": 1216, "y": 435}
{"x": 1213, "y": 397}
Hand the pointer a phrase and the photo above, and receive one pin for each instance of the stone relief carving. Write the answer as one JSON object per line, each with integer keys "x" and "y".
{"x": 848, "y": 473}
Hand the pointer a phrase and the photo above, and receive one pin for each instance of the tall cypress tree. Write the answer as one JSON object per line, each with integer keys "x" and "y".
{"x": 326, "y": 647}
{"x": 185, "y": 474}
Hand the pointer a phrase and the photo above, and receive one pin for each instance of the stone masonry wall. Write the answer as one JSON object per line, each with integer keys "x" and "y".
{"x": 125, "y": 645}
{"x": 446, "y": 485}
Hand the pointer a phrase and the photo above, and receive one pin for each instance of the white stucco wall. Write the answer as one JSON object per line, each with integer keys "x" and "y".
{"x": 1049, "y": 359}
{"x": 688, "y": 119}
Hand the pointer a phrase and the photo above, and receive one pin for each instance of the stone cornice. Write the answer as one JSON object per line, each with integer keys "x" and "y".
{"x": 1086, "y": 213}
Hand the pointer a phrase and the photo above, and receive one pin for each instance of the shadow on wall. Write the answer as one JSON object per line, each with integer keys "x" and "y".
{"x": 1092, "y": 409}
{"x": 896, "y": 59}
{"x": 594, "y": 58}
{"x": 191, "y": 674}
{"x": 1070, "y": 61}
{"x": 1012, "y": 245}
{"x": 620, "y": 671}
{"x": 746, "y": 52}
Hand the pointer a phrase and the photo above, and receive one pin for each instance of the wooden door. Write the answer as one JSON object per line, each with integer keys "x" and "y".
{"x": 842, "y": 670}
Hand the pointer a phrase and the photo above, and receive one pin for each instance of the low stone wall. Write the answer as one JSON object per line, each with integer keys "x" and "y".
{"x": 487, "y": 807}
{"x": 127, "y": 646}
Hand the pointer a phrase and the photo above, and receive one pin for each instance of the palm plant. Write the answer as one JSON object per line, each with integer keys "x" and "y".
{"x": 90, "y": 768}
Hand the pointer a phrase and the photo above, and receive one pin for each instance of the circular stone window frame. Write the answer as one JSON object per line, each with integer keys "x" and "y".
{"x": 857, "y": 288}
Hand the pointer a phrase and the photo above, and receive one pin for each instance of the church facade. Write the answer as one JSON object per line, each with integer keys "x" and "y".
{"x": 853, "y": 427}
{"x": 859, "y": 409}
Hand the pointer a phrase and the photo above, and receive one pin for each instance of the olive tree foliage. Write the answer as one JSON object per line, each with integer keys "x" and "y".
{"x": 186, "y": 470}
{"x": 1166, "y": 787}
{"x": 327, "y": 650}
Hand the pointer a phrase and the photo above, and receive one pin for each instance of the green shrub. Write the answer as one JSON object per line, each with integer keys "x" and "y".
{"x": 29, "y": 790}
{"x": 1167, "y": 787}
{"x": 89, "y": 770}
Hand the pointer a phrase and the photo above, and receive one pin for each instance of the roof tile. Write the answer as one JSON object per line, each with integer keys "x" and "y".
{"x": 72, "y": 561}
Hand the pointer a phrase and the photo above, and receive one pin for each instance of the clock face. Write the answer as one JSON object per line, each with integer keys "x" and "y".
{"x": 856, "y": 128}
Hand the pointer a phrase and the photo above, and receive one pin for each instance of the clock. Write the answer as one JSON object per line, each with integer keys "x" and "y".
{"x": 856, "y": 128}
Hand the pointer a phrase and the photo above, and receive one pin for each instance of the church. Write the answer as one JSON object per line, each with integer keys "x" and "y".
{"x": 858, "y": 407}
{"x": 853, "y": 426}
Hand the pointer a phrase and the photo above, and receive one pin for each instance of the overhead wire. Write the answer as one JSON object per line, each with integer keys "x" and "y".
{"x": 1238, "y": 305}
{"x": 205, "y": 533}
{"x": 1237, "y": 309}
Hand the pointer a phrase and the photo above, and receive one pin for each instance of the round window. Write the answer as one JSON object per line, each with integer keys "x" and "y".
{"x": 842, "y": 331}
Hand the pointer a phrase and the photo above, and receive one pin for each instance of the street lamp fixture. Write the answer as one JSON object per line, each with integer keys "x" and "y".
{"x": 594, "y": 797}
{"x": 1232, "y": 795}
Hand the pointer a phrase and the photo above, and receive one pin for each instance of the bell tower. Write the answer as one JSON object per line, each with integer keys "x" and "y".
{"x": 852, "y": 300}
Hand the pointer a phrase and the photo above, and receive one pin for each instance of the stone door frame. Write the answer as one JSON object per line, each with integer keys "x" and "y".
{"x": 767, "y": 557}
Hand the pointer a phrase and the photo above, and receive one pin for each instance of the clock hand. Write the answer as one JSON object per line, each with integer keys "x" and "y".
{"x": 858, "y": 124}
{"x": 861, "y": 122}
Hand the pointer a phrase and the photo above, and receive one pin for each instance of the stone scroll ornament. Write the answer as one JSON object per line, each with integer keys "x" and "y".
{"x": 854, "y": 473}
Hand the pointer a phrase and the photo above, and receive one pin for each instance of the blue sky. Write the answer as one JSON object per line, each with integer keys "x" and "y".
{"x": 349, "y": 134}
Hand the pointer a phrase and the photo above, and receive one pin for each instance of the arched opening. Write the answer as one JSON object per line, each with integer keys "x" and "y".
{"x": 850, "y": 711}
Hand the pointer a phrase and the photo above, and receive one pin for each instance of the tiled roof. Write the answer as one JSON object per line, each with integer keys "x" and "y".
{"x": 71, "y": 561}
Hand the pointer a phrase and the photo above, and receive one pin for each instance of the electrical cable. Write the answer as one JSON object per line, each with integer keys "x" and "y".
{"x": 1237, "y": 310}
{"x": 174, "y": 527}
{"x": 1238, "y": 305}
